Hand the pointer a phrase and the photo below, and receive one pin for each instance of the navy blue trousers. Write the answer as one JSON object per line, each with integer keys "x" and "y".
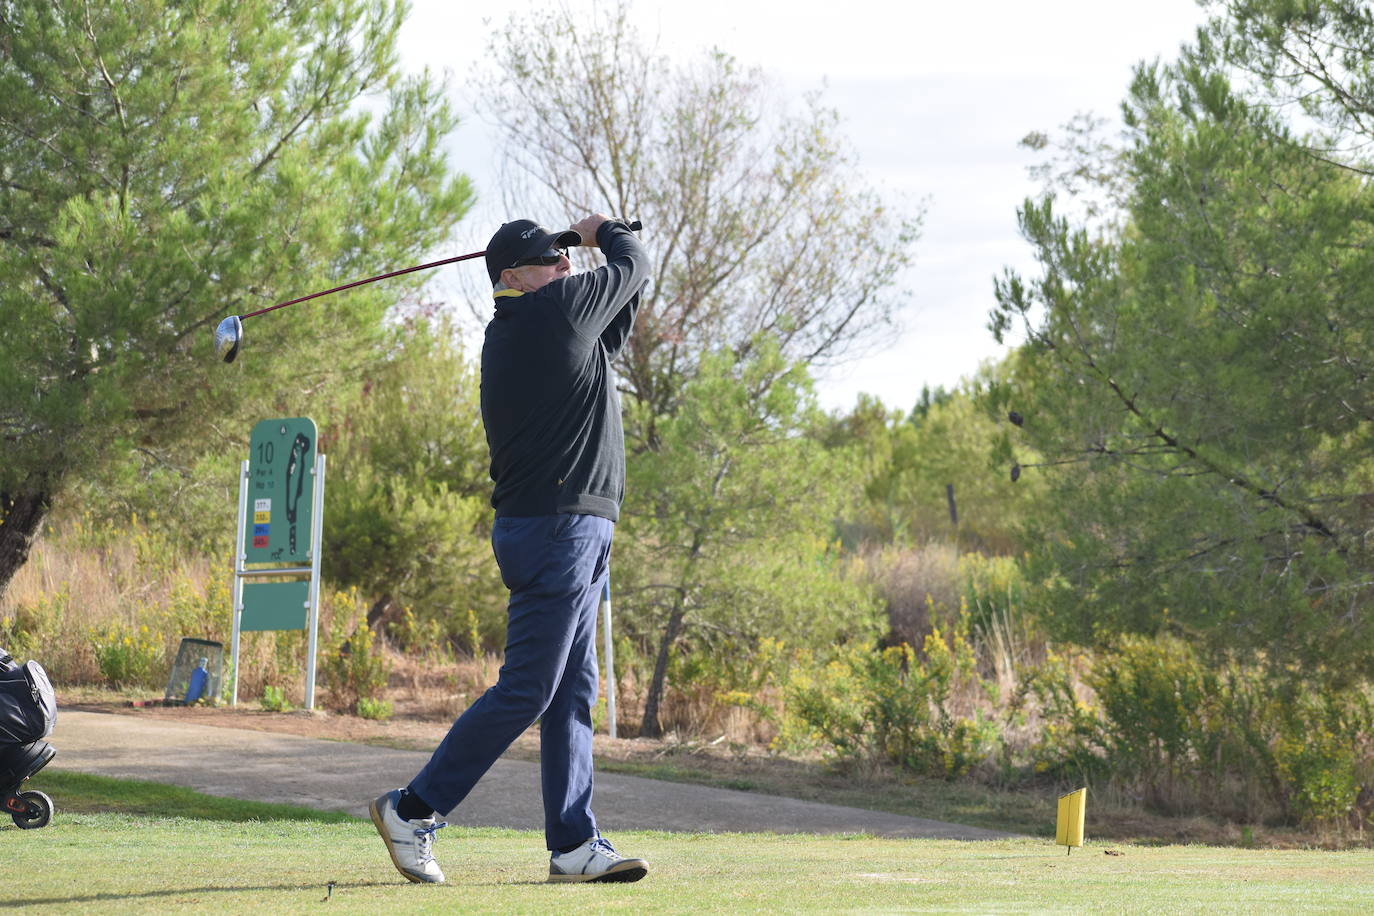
{"x": 555, "y": 567}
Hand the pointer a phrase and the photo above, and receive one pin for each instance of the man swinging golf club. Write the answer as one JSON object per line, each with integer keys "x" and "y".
{"x": 552, "y": 419}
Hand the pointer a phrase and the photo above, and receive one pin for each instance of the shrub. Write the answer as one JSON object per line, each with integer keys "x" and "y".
{"x": 1316, "y": 755}
{"x": 1068, "y": 744}
{"x": 715, "y": 686}
{"x": 369, "y": 708}
{"x": 1159, "y": 707}
{"x": 196, "y": 609}
{"x": 895, "y": 705}
{"x": 355, "y": 669}
{"x": 429, "y": 638}
{"x": 129, "y": 656}
{"x": 274, "y": 699}
{"x": 24, "y": 633}
{"x": 1210, "y": 735}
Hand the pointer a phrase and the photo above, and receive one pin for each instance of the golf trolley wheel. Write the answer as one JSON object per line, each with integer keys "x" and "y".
{"x": 39, "y": 813}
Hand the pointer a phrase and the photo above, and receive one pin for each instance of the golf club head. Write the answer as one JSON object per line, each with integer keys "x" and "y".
{"x": 228, "y": 337}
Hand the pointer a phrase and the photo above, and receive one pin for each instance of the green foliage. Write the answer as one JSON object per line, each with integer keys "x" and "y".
{"x": 129, "y": 593}
{"x": 1066, "y": 746}
{"x": 162, "y": 171}
{"x": 192, "y": 610}
{"x": 896, "y": 705}
{"x": 30, "y": 627}
{"x": 354, "y": 668}
{"x": 407, "y": 495}
{"x": 130, "y": 656}
{"x": 1194, "y": 393}
{"x": 182, "y": 493}
{"x": 1312, "y": 53}
{"x": 430, "y": 638}
{"x": 706, "y": 681}
{"x": 908, "y": 463}
{"x": 725, "y": 531}
{"x": 1188, "y": 733}
{"x": 993, "y": 597}
{"x": 1194, "y": 381}
{"x": 1321, "y": 755}
{"x": 1154, "y": 694}
{"x": 369, "y": 708}
{"x": 226, "y": 687}
{"x": 274, "y": 699}
{"x": 744, "y": 673}
{"x": 95, "y": 584}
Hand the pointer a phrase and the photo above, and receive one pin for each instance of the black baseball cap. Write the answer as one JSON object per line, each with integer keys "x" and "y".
{"x": 523, "y": 238}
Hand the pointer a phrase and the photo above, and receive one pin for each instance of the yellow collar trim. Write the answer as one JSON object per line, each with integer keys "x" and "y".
{"x": 497, "y": 294}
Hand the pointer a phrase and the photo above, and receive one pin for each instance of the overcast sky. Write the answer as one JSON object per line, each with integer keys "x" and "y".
{"x": 934, "y": 99}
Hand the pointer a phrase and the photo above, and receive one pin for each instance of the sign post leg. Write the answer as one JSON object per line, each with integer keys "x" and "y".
{"x": 610, "y": 658}
{"x": 316, "y": 549}
{"x": 237, "y": 593}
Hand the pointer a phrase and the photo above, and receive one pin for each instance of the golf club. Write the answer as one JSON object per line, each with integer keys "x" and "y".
{"x": 229, "y": 332}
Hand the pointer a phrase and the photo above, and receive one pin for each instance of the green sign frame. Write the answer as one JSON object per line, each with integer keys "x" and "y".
{"x": 281, "y": 487}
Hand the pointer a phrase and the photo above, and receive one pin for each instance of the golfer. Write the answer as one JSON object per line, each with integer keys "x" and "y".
{"x": 552, "y": 419}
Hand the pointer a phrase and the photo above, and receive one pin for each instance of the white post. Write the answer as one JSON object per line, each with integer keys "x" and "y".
{"x": 237, "y": 598}
{"x": 610, "y": 658}
{"x": 316, "y": 549}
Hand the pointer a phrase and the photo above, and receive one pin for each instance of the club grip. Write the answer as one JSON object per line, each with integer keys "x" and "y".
{"x": 635, "y": 226}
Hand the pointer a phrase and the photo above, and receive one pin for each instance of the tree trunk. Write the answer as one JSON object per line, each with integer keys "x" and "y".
{"x": 21, "y": 514}
{"x": 650, "y": 727}
{"x": 379, "y": 610}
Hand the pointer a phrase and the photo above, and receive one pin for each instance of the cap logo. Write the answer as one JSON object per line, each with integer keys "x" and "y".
{"x": 529, "y": 232}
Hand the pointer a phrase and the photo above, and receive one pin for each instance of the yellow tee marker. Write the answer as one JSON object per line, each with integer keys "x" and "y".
{"x": 1068, "y": 826}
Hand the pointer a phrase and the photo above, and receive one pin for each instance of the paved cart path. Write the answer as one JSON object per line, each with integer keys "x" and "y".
{"x": 342, "y": 776}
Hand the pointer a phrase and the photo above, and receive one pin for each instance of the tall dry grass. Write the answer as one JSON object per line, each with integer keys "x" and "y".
{"x": 90, "y": 589}
{"x": 90, "y": 584}
{"x": 918, "y": 585}
{"x": 101, "y": 606}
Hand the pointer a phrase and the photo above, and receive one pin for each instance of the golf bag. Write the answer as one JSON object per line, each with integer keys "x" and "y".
{"x": 28, "y": 707}
{"x": 28, "y": 711}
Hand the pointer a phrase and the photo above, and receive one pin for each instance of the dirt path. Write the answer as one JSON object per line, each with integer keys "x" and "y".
{"x": 344, "y": 776}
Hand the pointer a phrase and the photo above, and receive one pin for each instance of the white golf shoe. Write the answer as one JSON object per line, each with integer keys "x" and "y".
{"x": 595, "y": 860}
{"x": 411, "y": 843}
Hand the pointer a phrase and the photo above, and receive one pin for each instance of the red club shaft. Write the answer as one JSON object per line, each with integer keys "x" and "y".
{"x": 634, "y": 226}
{"x": 337, "y": 289}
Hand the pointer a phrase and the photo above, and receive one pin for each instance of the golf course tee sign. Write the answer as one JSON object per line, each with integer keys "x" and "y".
{"x": 277, "y": 560}
{"x": 281, "y": 465}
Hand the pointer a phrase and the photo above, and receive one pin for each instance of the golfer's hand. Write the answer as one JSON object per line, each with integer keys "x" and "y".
{"x": 587, "y": 226}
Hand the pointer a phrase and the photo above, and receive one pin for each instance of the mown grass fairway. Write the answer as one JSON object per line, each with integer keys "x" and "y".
{"x": 87, "y": 793}
{"x": 117, "y": 862}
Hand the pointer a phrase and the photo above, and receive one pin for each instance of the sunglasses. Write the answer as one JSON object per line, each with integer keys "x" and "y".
{"x": 547, "y": 259}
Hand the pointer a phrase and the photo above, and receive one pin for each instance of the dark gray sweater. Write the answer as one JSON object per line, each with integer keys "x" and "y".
{"x": 549, "y": 405}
